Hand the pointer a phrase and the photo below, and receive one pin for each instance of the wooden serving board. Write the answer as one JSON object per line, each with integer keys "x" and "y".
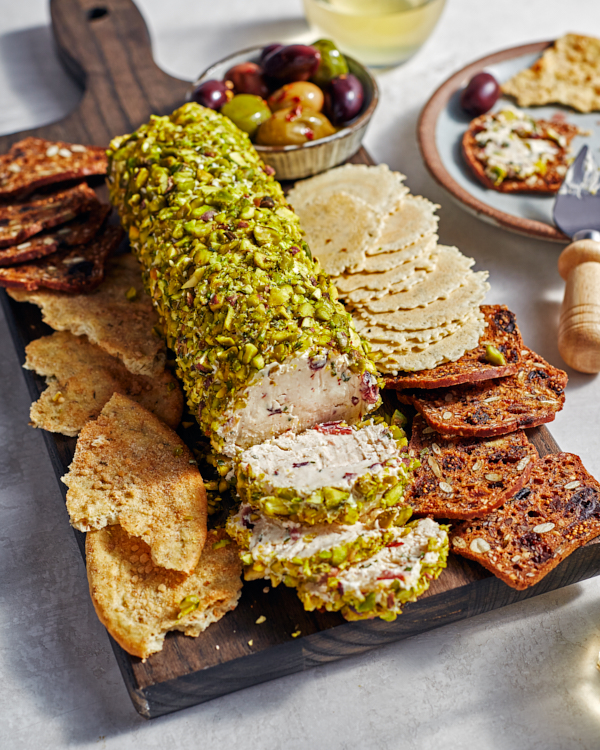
{"x": 105, "y": 44}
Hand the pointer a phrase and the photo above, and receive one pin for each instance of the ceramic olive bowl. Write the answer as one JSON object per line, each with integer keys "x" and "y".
{"x": 294, "y": 162}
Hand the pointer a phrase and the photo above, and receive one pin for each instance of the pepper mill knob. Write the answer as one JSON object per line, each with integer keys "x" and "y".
{"x": 579, "y": 325}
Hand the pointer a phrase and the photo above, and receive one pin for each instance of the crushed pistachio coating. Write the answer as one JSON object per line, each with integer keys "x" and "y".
{"x": 224, "y": 261}
{"x": 292, "y": 553}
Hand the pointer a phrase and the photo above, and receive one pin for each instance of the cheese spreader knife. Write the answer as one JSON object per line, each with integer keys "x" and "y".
{"x": 577, "y": 214}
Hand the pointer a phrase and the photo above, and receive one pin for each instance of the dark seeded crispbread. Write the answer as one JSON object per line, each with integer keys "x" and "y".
{"x": 465, "y": 477}
{"x": 74, "y": 269}
{"x": 34, "y": 162}
{"x": 18, "y": 221}
{"x": 501, "y": 332}
{"x": 546, "y": 183}
{"x": 76, "y": 232}
{"x": 557, "y": 511}
{"x": 494, "y": 407}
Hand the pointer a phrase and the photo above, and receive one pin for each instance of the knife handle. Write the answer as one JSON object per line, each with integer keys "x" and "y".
{"x": 579, "y": 325}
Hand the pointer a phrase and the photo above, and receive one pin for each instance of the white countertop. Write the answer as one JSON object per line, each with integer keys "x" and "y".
{"x": 521, "y": 677}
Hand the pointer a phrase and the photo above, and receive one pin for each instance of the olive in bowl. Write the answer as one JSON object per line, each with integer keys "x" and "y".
{"x": 313, "y": 149}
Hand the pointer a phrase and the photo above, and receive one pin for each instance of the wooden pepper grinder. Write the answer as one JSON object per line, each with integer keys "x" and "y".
{"x": 579, "y": 325}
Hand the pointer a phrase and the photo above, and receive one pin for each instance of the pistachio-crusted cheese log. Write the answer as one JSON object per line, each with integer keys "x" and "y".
{"x": 283, "y": 550}
{"x": 262, "y": 344}
{"x": 332, "y": 473}
{"x": 380, "y": 585}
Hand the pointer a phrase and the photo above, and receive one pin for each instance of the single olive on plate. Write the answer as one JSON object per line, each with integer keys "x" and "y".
{"x": 332, "y": 65}
{"x": 298, "y": 92}
{"x": 295, "y": 62}
{"x": 247, "y": 111}
{"x": 480, "y": 94}
{"x": 247, "y": 78}
{"x": 212, "y": 94}
{"x": 344, "y": 98}
{"x": 293, "y": 127}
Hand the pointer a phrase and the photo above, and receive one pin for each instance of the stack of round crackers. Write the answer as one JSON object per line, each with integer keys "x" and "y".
{"x": 416, "y": 302}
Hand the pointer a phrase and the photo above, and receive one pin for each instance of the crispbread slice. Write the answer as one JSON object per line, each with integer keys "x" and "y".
{"x": 377, "y": 186}
{"x": 450, "y": 272}
{"x": 495, "y": 407}
{"x": 82, "y": 378}
{"x": 130, "y": 468}
{"x": 18, "y": 221}
{"x": 415, "y": 356}
{"x": 118, "y": 316}
{"x": 139, "y": 603}
{"x": 465, "y": 477}
{"x": 75, "y": 269}
{"x": 457, "y": 306}
{"x": 555, "y": 169}
{"x": 76, "y": 232}
{"x": 557, "y": 511}
{"x": 402, "y": 276}
{"x": 568, "y": 73}
{"x": 34, "y": 162}
{"x": 414, "y": 220}
{"x": 338, "y": 229}
{"x": 501, "y": 332}
{"x": 388, "y": 261}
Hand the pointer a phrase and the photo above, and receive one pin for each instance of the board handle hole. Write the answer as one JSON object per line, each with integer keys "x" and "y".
{"x": 95, "y": 13}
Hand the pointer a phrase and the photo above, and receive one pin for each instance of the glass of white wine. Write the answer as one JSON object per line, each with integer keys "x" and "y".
{"x": 380, "y": 33}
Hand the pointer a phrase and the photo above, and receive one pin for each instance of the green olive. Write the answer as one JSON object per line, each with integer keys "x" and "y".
{"x": 298, "y": 92}
{"x": 247, "y": 111}
{"x": 294, "y": 126}
{"x": 332, "y": 65}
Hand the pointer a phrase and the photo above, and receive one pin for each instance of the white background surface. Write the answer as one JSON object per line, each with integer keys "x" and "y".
{"x": 522, "y": 677}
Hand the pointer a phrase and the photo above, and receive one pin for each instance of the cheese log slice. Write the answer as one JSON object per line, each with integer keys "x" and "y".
{"x": 130, "y": 468}
{"x": 261, "y": 342}
{"x": 465, "y": 477}
{"x": 139, "y": 603}
{"x": 557, "y": 511}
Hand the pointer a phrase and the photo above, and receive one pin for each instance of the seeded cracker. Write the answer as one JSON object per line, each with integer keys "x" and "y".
{"x": 567, "y": 73}
{"x": 130, "y": 468}
{"x": 501, "y": 333}
{"x": 75, "y": 269}
{"x": 494, "y": 407}
{"x": 450, "y": 271}
{"x": 118, "y": 316}
{"x": 18, "y": 221}
{"x": 82, "y": 378}
{"x": 338, "y": 229}
{"x": 380, "y": 188}
{"x": 139, "y": 603}
{"x": 77, "y": 232}
{"x": 465, "y": 477}
{"x": 557, "y": 511}
{"x": 34, "y": 162}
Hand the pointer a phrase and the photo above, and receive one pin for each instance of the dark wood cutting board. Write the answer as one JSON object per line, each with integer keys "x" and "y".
{"x": 106, "y": 46}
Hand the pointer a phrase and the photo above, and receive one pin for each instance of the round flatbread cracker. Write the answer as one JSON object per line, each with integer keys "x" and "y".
{"x": 449, "y": 349}
{"x": 411, "y": 222}
{"x": 451, "y": 272}
{"x": 455, "y": 307}
{"x": 338, "y": 230}
{"x": 404, "y": 275}
{"x": 378, "y": 186}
